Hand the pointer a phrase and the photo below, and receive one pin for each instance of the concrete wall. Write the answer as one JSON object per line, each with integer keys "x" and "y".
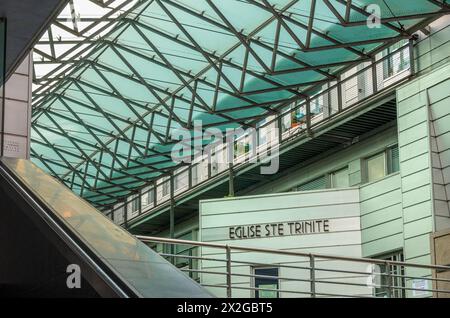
{"x": 381, "y": 216}
{"x": 438, "y": 98}
{"x": 18, "y": 111}
{"x": 340, "y": 207}
{"x": 422, "y": 127}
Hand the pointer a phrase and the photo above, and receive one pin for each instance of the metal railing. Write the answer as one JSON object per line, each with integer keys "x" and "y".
{"x": 237, "y": 271}
{"x": 339, "y": 96}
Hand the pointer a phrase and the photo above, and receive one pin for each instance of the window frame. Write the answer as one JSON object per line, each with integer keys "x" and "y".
{"x": 366, "y": 166}
{"x": 254, "y": 279}
{"x": 388, "y": 163}
{"x": 165, "y": 187}
{"x": 332, "y": 177}
{"x": 395, "y": 270}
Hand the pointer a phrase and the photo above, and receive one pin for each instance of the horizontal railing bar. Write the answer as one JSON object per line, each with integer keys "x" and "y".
{"x": 269, "y": 289}
{"x": 317, "y": 280}
{"x": 151, "y": 239}
{"x": 321, "y": 281}
{"x": 191, "y": 270}
{"x": 194, "y": 257}
{"x": 240, "y": 262}
{"x": 446, "y": 291}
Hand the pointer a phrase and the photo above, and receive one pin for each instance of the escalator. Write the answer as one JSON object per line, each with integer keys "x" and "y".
{"x": 47, "y": 233}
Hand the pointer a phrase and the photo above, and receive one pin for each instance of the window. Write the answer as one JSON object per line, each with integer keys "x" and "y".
{"x": 266, "y": 283}
{"x": 339, "y": 179}
{"x": 194, "y": 173}
{"x": 166, "y": 187}
{"x": 176, "y": 181}
{"x": 135, "y": 204}
{"x": 316, "y": 184}
{"x": 396, "y": 279}
{"x": 241, "y": 147}
{"x": 298, "y": 116}
{"x": 396, "y": 62}
{"x": 262, "y": 132}
{"x": 316, "y": 105}
{"x": 393, "y": 159}
{"x": 376, "y": 167}
{"x": 382, "y": 164}
{"x": 150, "y": 196}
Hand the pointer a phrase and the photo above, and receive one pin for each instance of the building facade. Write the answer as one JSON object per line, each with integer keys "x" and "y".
{"x": 383, "y": 191}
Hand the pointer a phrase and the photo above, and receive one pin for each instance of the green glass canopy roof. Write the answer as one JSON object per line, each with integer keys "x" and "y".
{"x": 114, "y": 80}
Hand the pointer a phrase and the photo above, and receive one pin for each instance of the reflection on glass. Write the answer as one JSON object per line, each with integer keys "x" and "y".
{"x": 148, "y": 273}
{"x": 376, "y": 167}
{"x": 339, "y": 179}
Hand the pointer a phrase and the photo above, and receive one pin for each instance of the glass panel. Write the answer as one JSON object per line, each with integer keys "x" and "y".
{"x": 153, "y": 75}
{"x": 396, "y": 62}
{"x": 135, "y": 204}
{"x": 147, "y": 272}
{"x": 339, "y": 179}
{"x": 316, "y": 184}
{"x": 394, "y": 160}
{"x": 194, "y": 172}
{"x": 376, "y": 167}
{"x": 166, "y": 187}
{"x": 396, "y": 281}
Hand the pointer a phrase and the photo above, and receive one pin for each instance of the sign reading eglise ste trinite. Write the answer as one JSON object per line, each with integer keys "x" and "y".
{"x": 278, "y": 229}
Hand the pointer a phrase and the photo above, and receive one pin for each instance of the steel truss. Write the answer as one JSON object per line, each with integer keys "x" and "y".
{"x": 102, "y": 123}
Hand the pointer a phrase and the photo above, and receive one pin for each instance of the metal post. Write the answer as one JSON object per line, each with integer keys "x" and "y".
{"x": 339, "y": 91}
{"x": 280, "y": 129}
{"x": 308, "y": 116}
{"x": 125, "y": 215}
{"x": 312, "y": 275}
{"x": 155, "y": 194}
{"x": 411, "y": 56}
{"x": 231, "y": 180}
{"x": 190, "y": 265}
{"x": 209, "y": 164}
{"x": 389, "y": 280}
{"x": 172, "y": 218}
{"x": 140, "y": 203}
{"x": 328, "y": 98}
{"x": 374, "y": 76}
{"x": 189, "y": 176}
{"x": 228, "y": 256}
